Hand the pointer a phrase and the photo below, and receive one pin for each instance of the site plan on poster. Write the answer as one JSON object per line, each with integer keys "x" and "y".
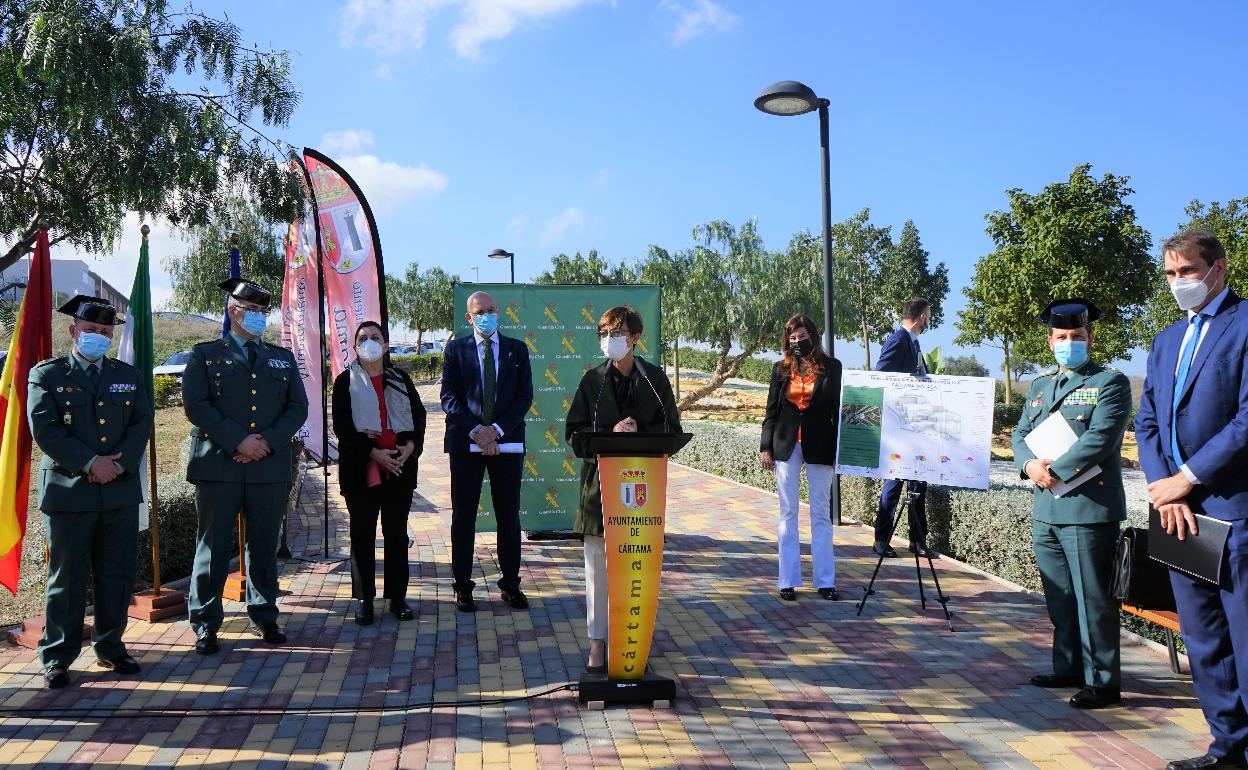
{"x": 897, "y": 426}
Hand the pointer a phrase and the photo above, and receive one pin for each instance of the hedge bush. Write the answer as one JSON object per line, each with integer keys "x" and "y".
{"x": 754, "y": 369}
{"x": 168, "y": 391}
{"x": 1006, "y": 416}
{"x": 424, "y": 367}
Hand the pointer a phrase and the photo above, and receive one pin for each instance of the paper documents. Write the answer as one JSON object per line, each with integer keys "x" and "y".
{"x": 508, "y": 449}
{"x": 1050, "y": 440}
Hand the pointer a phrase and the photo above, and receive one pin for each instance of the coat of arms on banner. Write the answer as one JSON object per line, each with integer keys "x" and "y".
{"x": 633, "y": 495}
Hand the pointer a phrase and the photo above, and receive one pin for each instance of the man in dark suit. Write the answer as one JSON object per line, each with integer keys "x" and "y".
{"x": 245, "y": 400}
{"x": 92, "y": 417}
{"x": 1192, "y": 429}
{"x": 901, "y": 353}
{"x": 487, "y": 388}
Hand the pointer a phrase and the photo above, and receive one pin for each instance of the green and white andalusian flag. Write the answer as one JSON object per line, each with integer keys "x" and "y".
{"x": 136, "y": 347}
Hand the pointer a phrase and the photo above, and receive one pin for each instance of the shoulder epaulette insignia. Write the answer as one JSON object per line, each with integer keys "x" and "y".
{"x": 47, "y": 361}
{"x": 206, "y": 342}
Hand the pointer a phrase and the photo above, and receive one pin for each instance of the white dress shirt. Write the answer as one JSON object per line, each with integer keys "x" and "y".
{"x": 1208, "y": 311}
{"x": 481, "y": 371}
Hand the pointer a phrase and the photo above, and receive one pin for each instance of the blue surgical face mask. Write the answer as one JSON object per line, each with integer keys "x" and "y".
{"x": 1071, "y": 354}
{"x": 254, "y": 322}
{"x": 486, "y": 323}
{"x": 92, "y": 345}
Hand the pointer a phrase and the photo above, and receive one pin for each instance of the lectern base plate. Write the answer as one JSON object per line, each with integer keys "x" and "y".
{"x": 650, "y": 688}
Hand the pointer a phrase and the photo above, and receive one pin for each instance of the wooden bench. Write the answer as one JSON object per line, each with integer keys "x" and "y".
{"x": 1167, "y": 620}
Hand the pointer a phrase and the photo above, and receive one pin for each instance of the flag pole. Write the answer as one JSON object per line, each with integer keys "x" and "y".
{"x": 153, "y": 514}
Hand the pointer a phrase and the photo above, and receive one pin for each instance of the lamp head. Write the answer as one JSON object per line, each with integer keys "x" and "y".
{"x": 500, "y": 254}
{"x": 788, "y": 97}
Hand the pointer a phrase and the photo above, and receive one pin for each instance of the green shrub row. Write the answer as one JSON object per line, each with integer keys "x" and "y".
{"x": 422, "y": 367}
{"x": 753, "y": 369}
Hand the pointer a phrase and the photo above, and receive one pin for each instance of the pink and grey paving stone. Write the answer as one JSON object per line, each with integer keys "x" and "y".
{"x": 761, "y": 683}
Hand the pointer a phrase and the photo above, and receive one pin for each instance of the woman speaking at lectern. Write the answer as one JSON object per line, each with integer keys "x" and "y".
{"x": 800, "y": 427}
{"x": 626, "y": 394}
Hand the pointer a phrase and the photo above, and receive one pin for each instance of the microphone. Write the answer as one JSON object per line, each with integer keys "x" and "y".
{"x": 642, "y": 369}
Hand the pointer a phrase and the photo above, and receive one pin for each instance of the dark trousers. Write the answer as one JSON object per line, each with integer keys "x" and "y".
{"x": 467, "y": 472}
{"x": 1076, "y": 563}
{"x": 102, "y": 544}
{"x": 392, "y": 500}
{"x": 888, "y": 506}
{"x": 1214, "y": 623}
{"x": 217, "y": 504}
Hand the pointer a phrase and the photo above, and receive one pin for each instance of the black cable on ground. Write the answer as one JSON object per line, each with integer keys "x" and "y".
{"x": 103, "y": 712}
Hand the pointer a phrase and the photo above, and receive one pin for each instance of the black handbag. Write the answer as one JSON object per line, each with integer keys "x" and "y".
{"x": 1138, "y": 580}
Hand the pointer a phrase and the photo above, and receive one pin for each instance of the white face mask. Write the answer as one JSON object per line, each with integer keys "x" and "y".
{"x": 370, "y": 350}
{"x": 615, "y": 348}
{"x": 1190, "y": 292}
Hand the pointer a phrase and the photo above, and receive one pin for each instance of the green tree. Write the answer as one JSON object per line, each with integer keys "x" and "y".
{"x": 1077, "y": 238}
{"x": 127, "y": 105}
{"x": 592, "y": 269}
{"x": 1230, "y": 224}
{"x": 422, "y": 300}
{"x": 907, "y": 274}
{"x": 195, "y": 274}
{"x": 963, "y": 366}
{"x": 731, "y": 292}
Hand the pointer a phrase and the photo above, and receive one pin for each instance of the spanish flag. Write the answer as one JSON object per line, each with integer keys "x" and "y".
{"x": 31, "y": 343}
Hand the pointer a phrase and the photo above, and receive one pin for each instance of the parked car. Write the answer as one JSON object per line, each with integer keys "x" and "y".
{"x": 428, "y": 348}
{"x": 403, "y": 350}
{"x": 174, "y": 365}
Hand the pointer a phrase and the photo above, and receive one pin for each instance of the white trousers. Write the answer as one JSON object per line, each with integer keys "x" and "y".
{"x": 596, "y": 586}
{"x": 819, "y": 480}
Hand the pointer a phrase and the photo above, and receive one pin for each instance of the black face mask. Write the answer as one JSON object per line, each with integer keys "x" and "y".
{"x": 801, "y": 348}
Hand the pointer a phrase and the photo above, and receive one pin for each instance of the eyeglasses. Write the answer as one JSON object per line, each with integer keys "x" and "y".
{"x": 614, "y": 333}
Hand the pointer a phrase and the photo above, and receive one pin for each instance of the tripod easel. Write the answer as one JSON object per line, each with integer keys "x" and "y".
{"x": 908, "y": 500}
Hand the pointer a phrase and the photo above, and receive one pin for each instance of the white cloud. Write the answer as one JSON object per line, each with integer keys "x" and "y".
{"x": 569, "y": 220}
{"x": 348, "y": 141}
{"x": 388, "y": 185}
{"x": 118, "y": 267}
{"x": 697, "y": 18}
{"x": 393, "y": 26}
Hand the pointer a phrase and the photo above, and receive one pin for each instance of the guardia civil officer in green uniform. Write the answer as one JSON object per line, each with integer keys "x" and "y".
{"x": 245, "y": 399}
{"x": 1075, "y": 535}
{"x": 92, "y": 418}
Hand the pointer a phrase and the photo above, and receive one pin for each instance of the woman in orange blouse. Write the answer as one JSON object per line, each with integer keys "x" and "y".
{"x": 803, "y": 408}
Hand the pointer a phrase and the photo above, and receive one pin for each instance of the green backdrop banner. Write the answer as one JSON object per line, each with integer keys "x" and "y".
{"x": 559, "y": 324}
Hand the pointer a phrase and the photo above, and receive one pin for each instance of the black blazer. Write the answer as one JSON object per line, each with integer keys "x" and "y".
{"x": 461, "y": 390}
{"x": 818, "y": 422}
{"x": 354, "y": 446}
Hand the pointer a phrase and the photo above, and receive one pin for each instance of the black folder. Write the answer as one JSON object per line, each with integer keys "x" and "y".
{"x": 1200, "y": 555}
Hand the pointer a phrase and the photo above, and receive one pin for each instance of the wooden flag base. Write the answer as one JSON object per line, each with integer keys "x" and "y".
{"x": 236, "y": 587}
{"x": 151, "y": 606}
{"x": 31, "y": 631}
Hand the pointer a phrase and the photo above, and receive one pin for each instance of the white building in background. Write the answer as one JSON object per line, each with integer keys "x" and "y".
{"x": 70, "y": 277}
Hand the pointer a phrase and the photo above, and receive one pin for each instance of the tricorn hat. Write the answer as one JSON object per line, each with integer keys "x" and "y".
{"x": 1074, "y": 313}
{"x": 245, "y": 290}
{"x": 91, "y": 309}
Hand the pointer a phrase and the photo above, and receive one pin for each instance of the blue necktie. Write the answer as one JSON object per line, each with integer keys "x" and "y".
{"x": 1180, "y": 379}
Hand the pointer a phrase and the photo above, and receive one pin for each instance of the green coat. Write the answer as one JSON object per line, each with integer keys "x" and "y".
{"x": 226, "y": 400}
{"x": 73, "y": 422}
{"x": 1096, "y": 403}
{"x": 649, "y": 416}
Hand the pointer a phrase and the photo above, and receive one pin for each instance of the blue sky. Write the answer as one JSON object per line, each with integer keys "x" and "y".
{"x": 544, "y": 126}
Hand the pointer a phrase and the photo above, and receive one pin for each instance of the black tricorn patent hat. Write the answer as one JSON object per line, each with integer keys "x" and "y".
{"x": 245, "y": 290}
{"x": 91, "y": 309}
{"x": 1074, "y": 313}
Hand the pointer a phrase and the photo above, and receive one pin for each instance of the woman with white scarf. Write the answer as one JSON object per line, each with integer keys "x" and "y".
{"x": 380, "y": 425}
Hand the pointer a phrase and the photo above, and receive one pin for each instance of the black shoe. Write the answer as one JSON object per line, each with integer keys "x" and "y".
{"x": 55, "y": 676}
{"x": 1095, "y": 697}
{"x": 919, "y": 550}
{"x": 364, "y": 615}
{"x": 206, "y": 643}
{"x": 399, "y": 609}
{"x": 122, "y": 664}
{"x": 516, "y": 599}
{"x": 1208, "y": 760}
{"x": 884, "y": 549}
{"x": 829, "y": 593}
{"x": 1057, "y": 680}
{"x": 269, "y": 632}
{"x": 464, "y": 601}
{"x": 788, "y": 594}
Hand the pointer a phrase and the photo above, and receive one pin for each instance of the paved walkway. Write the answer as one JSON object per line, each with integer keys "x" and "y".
{"x": 761, "y": 683}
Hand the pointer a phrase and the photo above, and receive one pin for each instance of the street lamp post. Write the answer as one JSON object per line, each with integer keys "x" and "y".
{"x": 789, "y": 97}
{"x": 504, "y": 254}
{"x": 476, "y": 274}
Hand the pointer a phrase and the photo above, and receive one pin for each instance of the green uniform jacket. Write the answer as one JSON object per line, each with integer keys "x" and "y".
{"x": 1096, "y": 403}
{"x": 226, "y": 400}
{"x": 73, "y": 422}
{"x": 649, "y": 417}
